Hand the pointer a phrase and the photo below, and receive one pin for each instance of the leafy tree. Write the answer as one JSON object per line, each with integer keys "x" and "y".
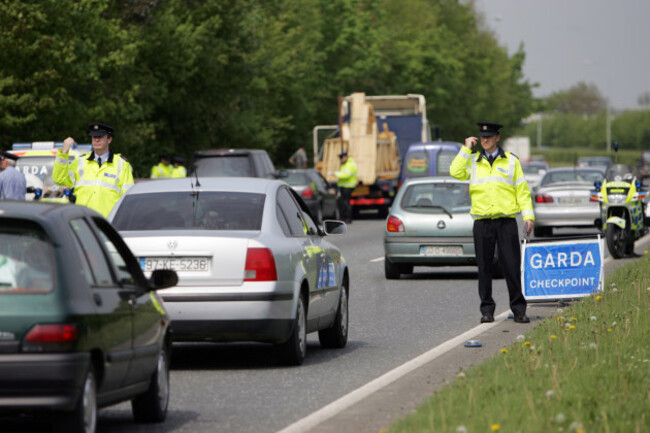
{"x": 580, "y": 99}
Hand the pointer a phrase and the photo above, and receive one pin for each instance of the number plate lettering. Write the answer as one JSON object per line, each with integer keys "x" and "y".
{"x": 184, "y": 264}
{"x": 431, "y": 250}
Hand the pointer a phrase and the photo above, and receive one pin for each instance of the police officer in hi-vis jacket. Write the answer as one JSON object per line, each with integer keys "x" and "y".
{"x": 499, "y": 192}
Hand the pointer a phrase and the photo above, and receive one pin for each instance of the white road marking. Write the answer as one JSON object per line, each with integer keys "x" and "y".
{"x": 337, "y": 406}
{"x": 378, "y": 259}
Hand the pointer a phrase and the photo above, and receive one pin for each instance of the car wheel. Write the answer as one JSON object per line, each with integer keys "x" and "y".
{"x": 83, "y": 418}
{"x": 336, "y": 336}
{"x": 391, "y": 271}
{"x": 151, "y": 406}
{"x": 293, "y": 350}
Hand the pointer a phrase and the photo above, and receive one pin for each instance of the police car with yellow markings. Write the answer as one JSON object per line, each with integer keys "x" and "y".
{"x": 36, "y": 162}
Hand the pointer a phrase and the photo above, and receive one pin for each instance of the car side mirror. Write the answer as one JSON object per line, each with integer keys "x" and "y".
{"x": 162, "y": 279}
{"x": 333, "y": 227}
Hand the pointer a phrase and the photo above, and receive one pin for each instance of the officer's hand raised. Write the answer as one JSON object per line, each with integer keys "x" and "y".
{"x": 67, "y": 143}
{"x": 471, "y": 142}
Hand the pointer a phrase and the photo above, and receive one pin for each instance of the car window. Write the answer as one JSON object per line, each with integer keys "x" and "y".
{"x": 588, "y": 176}
{"x": 321, "y": 182}
{"x": 117, "y": 257}
{"x": 291, "y": 213}
{"x": 454, "y": 197}
{"x": 26, "y": 259}
{"x": 417, "y": 164}
{"x": 37, "y": 170}
{"x": 93, "y": 252}
{"x": 224, "y": 165}
{"x": 209, "y": 210}
{"x": 296, "y": 178}
{"x": 445, "y": 157}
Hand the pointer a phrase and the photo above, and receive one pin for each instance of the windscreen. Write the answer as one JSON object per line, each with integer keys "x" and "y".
{"x": 37, "y": 170}
{"x": 190, "y": 211}
{"x": 417, "y": 164}
{"x": 580, "y": 176}
{"x": 224, "y": 165}
{"x": 26, "y": 259}
{"x": 296, "y": 179}
{"x": 438, "y": 197}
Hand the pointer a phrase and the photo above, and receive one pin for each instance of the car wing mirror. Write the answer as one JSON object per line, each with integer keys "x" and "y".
{"x": 162, "y": 279}
{"x": 333, "y": 227}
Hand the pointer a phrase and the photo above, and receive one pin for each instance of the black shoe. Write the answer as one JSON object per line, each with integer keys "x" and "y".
{"x": 487, "y": 318}
{"x": 522, "y": 319}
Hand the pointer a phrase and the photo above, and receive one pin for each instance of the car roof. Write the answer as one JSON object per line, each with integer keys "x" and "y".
{"x": 434, "y": 145}
{"x": 431, "y": 179}
{"x": 239, "y": 184}
{"x": 227, "y": 152}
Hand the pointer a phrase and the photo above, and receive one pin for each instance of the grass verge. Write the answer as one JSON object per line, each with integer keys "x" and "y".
{"x": 585, "y": 369}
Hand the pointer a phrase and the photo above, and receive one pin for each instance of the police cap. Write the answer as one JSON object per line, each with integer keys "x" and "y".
{"x": 342, "y": 154}
{"x": 8, "y": 155}
{"x": 97, "y": 129}
{"x": 488, "y": 129}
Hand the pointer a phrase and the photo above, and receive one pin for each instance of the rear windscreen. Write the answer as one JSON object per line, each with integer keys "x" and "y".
{"x": 190, "y": 211}
{"x": 226, "y": 165}
{"x": 445, "y": 158}
{"x": 26, "y": 259}
{"x": 417, "y": 164}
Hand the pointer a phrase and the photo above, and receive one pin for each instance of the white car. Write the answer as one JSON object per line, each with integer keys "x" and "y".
{"x": 251, "y": 262}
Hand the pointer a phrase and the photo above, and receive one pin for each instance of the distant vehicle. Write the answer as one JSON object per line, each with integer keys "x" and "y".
{"x": 314, "y": 190}
{"x": 36, "y": 162}
{"x": 252, "y": 263}
{"x": 429, "y": 225}
{"x": 602, "y": 162}
{"x": 82, "y": 328}
{"x": 232, "y": 163}
{"x": 643, "y": 166}
{"x": 519, "y": 146}
{"x": 533, "y": 172}
{"x": 563, "y": 199}
{"x": 428, "y": 159}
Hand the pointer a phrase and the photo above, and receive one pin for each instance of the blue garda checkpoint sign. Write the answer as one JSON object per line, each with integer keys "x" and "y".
{"x": 562, "y": 269}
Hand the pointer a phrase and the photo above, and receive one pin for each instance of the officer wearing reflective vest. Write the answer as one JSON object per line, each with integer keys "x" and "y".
{"x": 347, "y": 182}
{"x": 499, "y": 192}
{"x": 163, "y": 169}
{"x": 100, "y": 178}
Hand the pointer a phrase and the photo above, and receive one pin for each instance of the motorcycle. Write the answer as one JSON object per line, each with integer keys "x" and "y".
{"x": 622, "y": 215}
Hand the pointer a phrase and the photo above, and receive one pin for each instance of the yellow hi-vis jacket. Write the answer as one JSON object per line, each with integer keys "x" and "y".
{"x": 96, "y": 187}
{"x": 161, "y": 171}
{"x": 347, "y": 174}
{"x": 179, "y": 171}
{"x": 496, "y": 191}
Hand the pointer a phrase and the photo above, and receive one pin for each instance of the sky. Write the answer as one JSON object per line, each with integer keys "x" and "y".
{"x": 600, "y": 42}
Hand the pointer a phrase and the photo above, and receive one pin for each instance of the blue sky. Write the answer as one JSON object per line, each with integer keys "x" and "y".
{"x": 601, "y": 42}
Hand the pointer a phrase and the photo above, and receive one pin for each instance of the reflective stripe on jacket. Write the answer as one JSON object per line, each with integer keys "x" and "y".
{"x": 347, "y": 174}
{"x": 96, "y": 187}
{"x": 499, "y": 190}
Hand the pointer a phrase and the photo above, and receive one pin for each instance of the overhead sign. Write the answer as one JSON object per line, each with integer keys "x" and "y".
{"x": 562, "y": 269}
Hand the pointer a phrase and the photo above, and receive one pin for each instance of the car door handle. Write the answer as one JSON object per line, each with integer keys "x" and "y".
{"x": 98, "y": 300}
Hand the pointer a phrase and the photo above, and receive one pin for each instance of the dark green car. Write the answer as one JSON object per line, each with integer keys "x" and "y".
{"x": 80, "y": 326}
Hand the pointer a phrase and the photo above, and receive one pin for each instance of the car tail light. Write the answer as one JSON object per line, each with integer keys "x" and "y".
{"x": 260, "y": 265}
{"x": 394, "y": 225}
{"x": 50, "y": 337}
{"x": 543, "y": 198}
{"x": 307, "y": 192}
{"x": 593, "y": 197}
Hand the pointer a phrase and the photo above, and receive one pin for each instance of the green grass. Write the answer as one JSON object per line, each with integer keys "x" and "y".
{"x": 584, "y": 369}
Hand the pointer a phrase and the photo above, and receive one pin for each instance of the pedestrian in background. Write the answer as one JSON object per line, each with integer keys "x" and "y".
{"x": 100, "y": 178}
{"x": 13, "y": 185}
{"x": 498, "y": 192}
{"x": 163, "y": 169}
{"x": 178, "y": 169}
{"x": 299, "y": 158}
{"x": 347, "y": 181}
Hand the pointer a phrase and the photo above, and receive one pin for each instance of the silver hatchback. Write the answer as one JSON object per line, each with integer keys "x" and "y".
{"x": 251, "y": 262}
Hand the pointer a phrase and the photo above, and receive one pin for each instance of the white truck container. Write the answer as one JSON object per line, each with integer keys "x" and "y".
{"x": 519, "y": 146}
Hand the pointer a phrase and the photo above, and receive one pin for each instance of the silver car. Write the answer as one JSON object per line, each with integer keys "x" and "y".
{"x": 563, "y": 199}
{"x": 429, "y": 225}
{"x": 251, "y": 262}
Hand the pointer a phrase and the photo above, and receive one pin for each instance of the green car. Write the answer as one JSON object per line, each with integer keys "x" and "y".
{"x": 80, "y": 326}
{"x": 429, "y": 224}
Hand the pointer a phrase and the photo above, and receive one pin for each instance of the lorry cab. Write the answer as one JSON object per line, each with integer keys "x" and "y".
{"x": 428, "y": 159}
{"x": 36, "y": 162}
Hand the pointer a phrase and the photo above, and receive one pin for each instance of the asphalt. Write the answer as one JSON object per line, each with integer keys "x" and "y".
{"x": 398, "y": 393}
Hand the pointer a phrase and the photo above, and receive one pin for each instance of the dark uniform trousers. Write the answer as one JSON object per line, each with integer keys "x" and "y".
{"x": 344, "y": 202}
{"x": 488, "y": 234}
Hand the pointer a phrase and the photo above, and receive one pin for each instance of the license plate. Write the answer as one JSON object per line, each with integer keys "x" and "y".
{"x": 430, "y": 250}
{"x": 572, "y": 200}
{"x": 186, "y": 264}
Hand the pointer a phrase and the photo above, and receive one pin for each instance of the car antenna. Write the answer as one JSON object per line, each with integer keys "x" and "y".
{"x": 196, "y": 176}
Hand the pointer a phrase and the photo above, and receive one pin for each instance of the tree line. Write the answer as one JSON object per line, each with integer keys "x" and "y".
{"x": 175, "y": 76}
